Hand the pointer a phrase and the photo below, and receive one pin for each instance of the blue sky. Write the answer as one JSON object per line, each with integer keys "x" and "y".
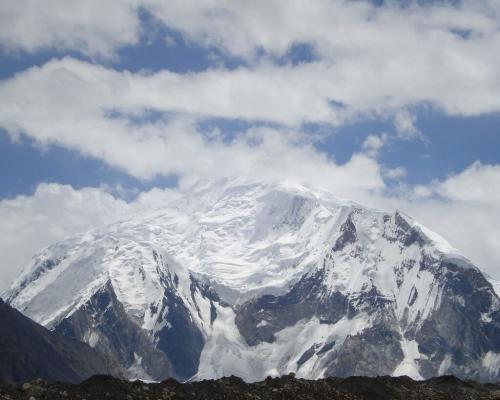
{"x": 392, "y": 104}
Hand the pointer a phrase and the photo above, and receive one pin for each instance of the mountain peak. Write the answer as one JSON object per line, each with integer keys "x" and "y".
{"x": 223, "y": 279}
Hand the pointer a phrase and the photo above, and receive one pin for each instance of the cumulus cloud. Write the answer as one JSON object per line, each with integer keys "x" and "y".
{"x": 369, "y": 59}
{"x": 405, "y": 129}
{"x": 334, "y": 28}
{"x": 374, "y": 143}
{"x": 404, "y": 122}
{"x": 53, "y": 212}
{"x": 464, "y": 209}
{"x": 248, "y": 28}
{"x": 479, "y": 183}
{"x": 373, "y": 58}
{"x": 103, "y": 114}
{"x": 469, "y": 227}
{"x": 96, "y": 28}
{"x": 75, "y": 88}
{"x": 395, "y": 173}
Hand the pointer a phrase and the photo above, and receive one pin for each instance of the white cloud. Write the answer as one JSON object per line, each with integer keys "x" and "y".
{"x": 405, "y": 129}
{"x": 72, "y": 90}
{"x": 395, "y": 173}
{"x": 478, "y": 183}
{"x": 248, "y": 28}
{"x": 88, "y": 108}
{"x": 337, "y": 29}
{"x": 69, "y": 102}
{"x": 95, "y": 28}
{"x": 464, "y": 208}
{"x": 472, "y": 228}
{"x": 404, "y": 122}
{"x": 373, "y": 60}
{"x": 53, "y": 212}
{"x": 374, "y": 143}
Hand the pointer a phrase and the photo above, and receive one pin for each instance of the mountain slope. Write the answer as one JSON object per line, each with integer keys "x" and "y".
{"x": 257, "y": 280}
{"x": 28, "y": 351}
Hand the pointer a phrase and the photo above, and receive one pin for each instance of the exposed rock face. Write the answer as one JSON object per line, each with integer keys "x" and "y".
{"x": 465, "y": 327}
{"x": 174, "y": 347}
{"x": 347, "y": 235}
{"x": 454, "y": 328}
{"x": 103, "y": 322}
{"x": 260, "y": 280}
{"x": 28, "y": 351}
{"x": 258, "y": 320}
{"x": 376, "y": 348}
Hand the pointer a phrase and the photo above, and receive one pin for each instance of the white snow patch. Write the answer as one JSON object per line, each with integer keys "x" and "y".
{"x": 136, "y": 370}
{"x": 486, "y": 317}
{"x": 226, "y": 352}
{"x": 496, "y": 286}
{"x": 92, "y": 338}
{"x": 441, "y": 243}
{"x": 445, "y": 365}
{"x": 409, "y": 366}
{"x": 491, "y": 363}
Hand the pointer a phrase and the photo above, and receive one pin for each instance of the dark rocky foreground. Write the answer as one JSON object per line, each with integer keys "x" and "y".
{"x": 28, "y": 350}
{"x": 287, "y": 387}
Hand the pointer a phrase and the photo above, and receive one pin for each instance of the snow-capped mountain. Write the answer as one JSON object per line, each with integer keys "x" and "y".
{"x": 258, "y": 279}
